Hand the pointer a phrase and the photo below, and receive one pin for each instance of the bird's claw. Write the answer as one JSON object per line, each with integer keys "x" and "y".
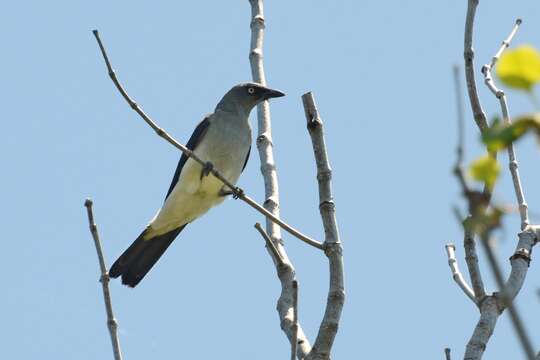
{"x": 207, "y": 169}
{"x": 236, "y": 193}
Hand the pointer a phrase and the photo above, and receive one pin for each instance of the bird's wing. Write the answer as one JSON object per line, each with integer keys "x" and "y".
{"x": 247, "y": 158}
{"x": 192, "y": 143}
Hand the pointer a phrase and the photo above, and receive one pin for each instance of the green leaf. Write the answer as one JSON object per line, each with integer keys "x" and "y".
{"x": 501, "y": 136}
{"x": 485, "y": 169}
{"x": 519, "y": 68}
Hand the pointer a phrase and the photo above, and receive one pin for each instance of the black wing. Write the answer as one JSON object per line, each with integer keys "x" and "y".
{"x": 193, "y": 141}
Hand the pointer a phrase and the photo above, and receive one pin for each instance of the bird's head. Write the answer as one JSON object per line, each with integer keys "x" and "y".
{"x": 247, "y": 95}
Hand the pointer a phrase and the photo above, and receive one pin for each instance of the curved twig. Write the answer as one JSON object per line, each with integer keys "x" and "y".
{"x": 236, "y": 191}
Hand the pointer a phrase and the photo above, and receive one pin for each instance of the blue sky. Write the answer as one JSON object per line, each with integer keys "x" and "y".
{"x": 381, "y": 74}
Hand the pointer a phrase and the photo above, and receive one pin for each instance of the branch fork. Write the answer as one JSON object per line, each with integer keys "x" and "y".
{"x": 491, "y": 306}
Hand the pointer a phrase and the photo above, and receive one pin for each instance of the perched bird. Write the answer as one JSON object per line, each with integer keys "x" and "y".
{"x": 223, "y": 139}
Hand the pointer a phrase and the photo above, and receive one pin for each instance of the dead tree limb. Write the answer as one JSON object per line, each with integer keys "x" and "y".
{"x": 104, "y": 279}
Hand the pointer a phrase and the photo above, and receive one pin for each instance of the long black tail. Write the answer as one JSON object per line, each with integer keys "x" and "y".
{"x": 140, "y": 256}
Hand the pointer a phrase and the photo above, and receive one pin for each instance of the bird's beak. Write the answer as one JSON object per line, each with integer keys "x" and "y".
{"x": 271, "y": 93}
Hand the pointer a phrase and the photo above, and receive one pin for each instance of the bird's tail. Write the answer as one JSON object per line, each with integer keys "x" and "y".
{"x": 140, "y": 256}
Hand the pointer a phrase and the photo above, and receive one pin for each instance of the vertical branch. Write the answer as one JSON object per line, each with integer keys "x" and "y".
{"x": 499, "y": 94}
{"x": 492, "y": 306}
{"x": 447, "y": 354}
{"x": 471, "y": 258}
{"x": 478, "y": 112}
{"x": 285, "y": 271}
{"x": 111, "y": 321}
{"x": 489, "y": 313}
{"x": 333, "y": 250}
{"x": 294, "y": 342}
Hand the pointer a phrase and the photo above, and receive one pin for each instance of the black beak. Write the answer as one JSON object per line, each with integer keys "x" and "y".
{"x": 271, "y": 93}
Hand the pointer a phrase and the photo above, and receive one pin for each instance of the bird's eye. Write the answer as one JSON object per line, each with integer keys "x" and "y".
{"x": 251, "y": 90}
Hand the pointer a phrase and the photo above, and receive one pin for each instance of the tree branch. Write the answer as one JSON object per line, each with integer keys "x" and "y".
{"x": 447, "y": 354}
{"x": 499, "y": 94}
{"x": 285, "y": 270}
{"x": 493, "y": 305}
{"x": 478, "y": 112}
{"x": 237, "y": 191}
{"x": 104, "y": 279}
{"x": 336, "y": 293}
{"x": 471, "y": 258}
{"x": 456, "y": 274}
{"x": 294, "y": 342}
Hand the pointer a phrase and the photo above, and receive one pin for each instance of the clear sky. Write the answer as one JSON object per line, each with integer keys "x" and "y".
{"x": 381, "y": 74}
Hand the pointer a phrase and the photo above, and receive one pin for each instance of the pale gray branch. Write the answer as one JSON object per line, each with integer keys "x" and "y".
{"x": 456, "y": 273}
{"x": 285, "y": 271}
{"x": 513, "y": 163}
{"x": 236, "y": 191}
{"x": 471, "y": 258}
{"x": 336, "y": 293}
{"x": 489, "y": 313}
{"x": 478, "y": 112}
{"x": 492, "y": 306}
{"x": 104, "y": 279}
{"x": 294, "y": 342}
{"x": 278, "y": 258}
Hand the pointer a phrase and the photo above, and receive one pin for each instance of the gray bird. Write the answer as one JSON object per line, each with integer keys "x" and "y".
{"x": 222, "y": 138}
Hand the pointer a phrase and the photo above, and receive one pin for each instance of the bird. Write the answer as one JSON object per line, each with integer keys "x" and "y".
{"x": 223, "y": 140}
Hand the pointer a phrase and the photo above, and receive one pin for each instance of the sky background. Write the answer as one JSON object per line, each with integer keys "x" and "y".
{"x": 382, "y": 78}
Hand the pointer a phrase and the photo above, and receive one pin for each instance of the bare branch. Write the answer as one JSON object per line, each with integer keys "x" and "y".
{"x": 270, "y": 245}
{"x": 513, "y": 164}
{"x": 492, "y": 306}
{"x": 456, "y": 273}
{"x": 447, "y": 354}
{"x": 285, "y": 272}
{"x": 104, "y": 279}
{"x": 459, "y": 111}
{"x": 478, "y": 112}
{"x": 336, "y": 293}
{"x": 236, "y": 191}
{"x": 471, "y": 258}
{"x": 489, "y": 313}
{"x": 294, "y": 342}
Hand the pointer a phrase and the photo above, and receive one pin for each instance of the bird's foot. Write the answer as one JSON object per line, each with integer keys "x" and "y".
{"x": 207, "y": 169}
{"x": 238, "y": 192}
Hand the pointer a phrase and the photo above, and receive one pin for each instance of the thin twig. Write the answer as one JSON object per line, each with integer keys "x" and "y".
{"x": 513, "y": 163}
{"x": 336, "y": 293}
{"x": 294, "y": 342}
{"x": 447, "y": 354}
{"x": 460, "y": 149}
{"x": 456, "y": 273}
{"x": 236, "y": 191}
{"x": 104, "y": 279}
{"x": 286, "y": 272}
{"x": 270, "y": 245}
